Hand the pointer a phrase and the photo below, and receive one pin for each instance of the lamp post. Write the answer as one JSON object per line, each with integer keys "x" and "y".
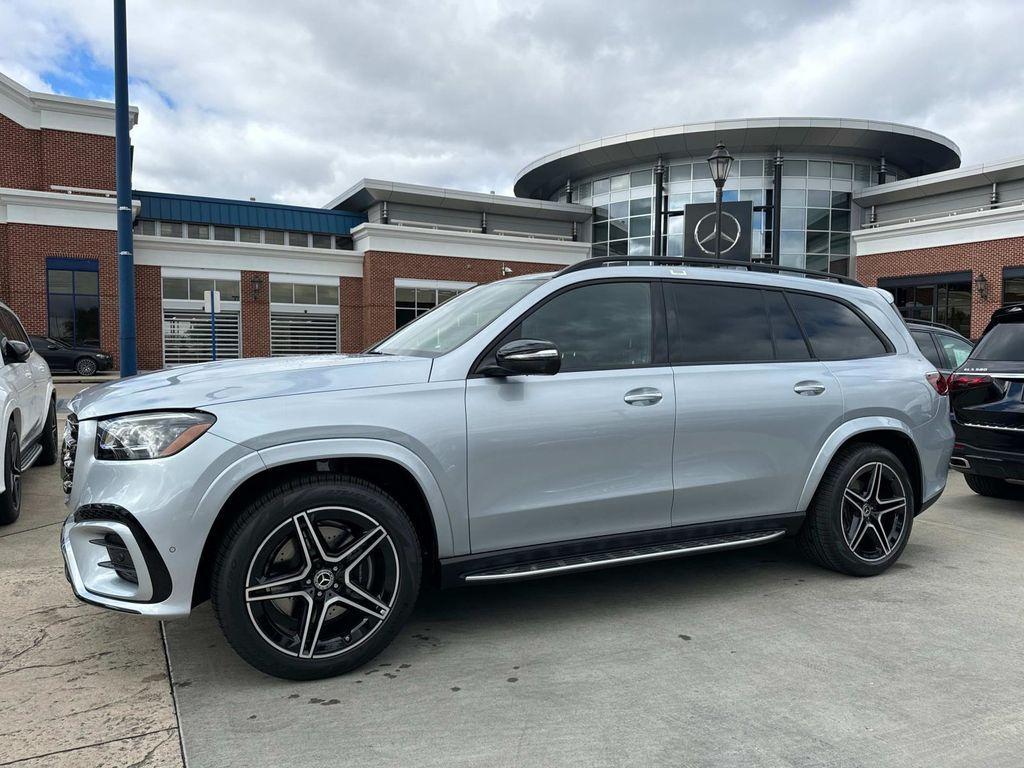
{"x": 721, "y": 163}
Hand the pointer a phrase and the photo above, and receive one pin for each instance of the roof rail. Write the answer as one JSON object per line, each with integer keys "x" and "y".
{"x": 658, "y": 261}
{"x": 930, "y": 324}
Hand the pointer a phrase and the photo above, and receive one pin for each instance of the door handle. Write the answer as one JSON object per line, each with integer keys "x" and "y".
{"x": 808, "y": 388}
{"x": 643, "y": 396}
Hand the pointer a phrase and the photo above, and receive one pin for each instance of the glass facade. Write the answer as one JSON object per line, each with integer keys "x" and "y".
{"x": 73, "y": 301}
{"x": 817, "y": 208}
{"x": 934, "y": 300}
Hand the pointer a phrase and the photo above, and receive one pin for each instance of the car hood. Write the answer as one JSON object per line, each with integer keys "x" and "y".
{"x": 223, "y": 381}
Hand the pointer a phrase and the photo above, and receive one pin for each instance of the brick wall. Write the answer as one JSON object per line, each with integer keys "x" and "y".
{"x": 149, "y": 321}
{"x": 20, "y": 164}
{"x": 72, "y": 159}
{"x": 988, "y": 257}
{"x": 350, "y": 300}
{"x": 381, "y": 268}
{"x": 31, "y": 159}
{"x": 255, "y": 314}
{"x": 26, "y": 248}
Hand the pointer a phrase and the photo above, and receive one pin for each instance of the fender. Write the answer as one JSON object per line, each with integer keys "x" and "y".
{"x": 842, "y": 433}
{"x": 288, "y": 453}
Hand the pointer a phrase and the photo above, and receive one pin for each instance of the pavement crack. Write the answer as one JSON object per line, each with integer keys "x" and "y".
{"x": 87, "y": 746}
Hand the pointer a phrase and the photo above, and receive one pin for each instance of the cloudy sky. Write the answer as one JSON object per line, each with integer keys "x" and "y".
{"x": 295, "y": 100}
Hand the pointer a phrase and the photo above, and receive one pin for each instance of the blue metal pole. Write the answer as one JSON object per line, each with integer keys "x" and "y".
{"x": 125, "y": 257}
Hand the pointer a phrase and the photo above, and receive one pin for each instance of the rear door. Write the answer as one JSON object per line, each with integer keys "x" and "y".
{"x": 752, "y": 406}
{"x": 19, "y": 376}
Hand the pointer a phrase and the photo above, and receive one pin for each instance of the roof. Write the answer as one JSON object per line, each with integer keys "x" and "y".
{"x": 970, "y": 177}
{"x": 244, "y": 213}
{"x": 366, "y": 192}
{"x": 36, "y": 110}
{"x": 915, "y": 150}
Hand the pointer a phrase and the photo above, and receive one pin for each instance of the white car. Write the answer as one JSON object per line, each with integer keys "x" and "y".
{"x": 29, "y": 412}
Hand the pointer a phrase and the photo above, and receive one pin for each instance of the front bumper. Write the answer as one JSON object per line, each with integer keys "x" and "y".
{"x": 989, "y": 462}
{"x": 160, "y": 511}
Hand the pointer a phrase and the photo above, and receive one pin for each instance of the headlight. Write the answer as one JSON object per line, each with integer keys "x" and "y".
{"x": 149, "y": 435}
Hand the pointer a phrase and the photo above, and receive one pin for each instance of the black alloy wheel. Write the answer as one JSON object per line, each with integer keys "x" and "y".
{"x": 316, "y": 577}
{"x": 10, "y": 499}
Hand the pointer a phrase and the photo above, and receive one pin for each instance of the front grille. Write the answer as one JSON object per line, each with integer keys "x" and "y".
{"x": 67, "y": 453}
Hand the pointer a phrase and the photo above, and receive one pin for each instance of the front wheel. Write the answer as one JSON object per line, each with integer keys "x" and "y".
{"x": 48, "y": 441}
{"x": 861, "y": 516}
{"x": 85, "y": 366}
{"x": 10, "y": 499}
{"x": 316, "y": 577}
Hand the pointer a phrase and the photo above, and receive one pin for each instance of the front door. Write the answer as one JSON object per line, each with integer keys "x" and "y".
{"x": 588, "y": 451}
{"x": 752, "y": 407}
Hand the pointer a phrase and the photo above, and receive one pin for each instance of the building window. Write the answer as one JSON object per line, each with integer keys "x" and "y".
{"x": 300, "y": 239}
{"x": 73, "y": 300}
{"x": 248, "y": 235}
{"x": 193, "y": 288}
{"x": 414, "y": 297}
{"x": 303, "y": 293}
{"x": 942, "y": 299}
{"x": 199, "y": 231}
{"x": 170, "y": 229}
{"x": 1013, "y": 285}
{"x": 223, "y": 233}
{"x": 273, "y": 237}
{"x": 322, "y": 241}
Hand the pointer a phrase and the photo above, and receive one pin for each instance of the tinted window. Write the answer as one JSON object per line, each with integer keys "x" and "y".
{"x": 605, "y": 325}
{"x": 1004, "y": 342}
{"x": 924, "y": 341}
{"x": 834, "y": 330}
{"x": 718, "y": 324}
{"x": 957, "y": 350}
{"x": 12, "y": 326}
{"x": 789, "y": 340}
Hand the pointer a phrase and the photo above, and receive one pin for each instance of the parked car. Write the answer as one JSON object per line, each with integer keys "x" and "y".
{"x": 944, "y": 347}
{"x": 986, "y": 395}
{"x": 61, "y": 356}
{"x": 610, "y": 413}
{"x": 28, "y": 409}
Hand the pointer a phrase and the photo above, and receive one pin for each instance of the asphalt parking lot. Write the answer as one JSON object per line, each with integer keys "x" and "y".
{"x": 750, "y": 658}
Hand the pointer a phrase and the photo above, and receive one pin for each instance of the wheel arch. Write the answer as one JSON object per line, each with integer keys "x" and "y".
{"x": 889, "y": 433}
{"x": 396, "y": 470}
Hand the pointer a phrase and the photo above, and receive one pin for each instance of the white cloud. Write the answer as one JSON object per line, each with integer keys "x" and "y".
{"x": 295, "y": 101}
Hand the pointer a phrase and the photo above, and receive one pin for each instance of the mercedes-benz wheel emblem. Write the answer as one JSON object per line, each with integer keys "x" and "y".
{"x": 705, "y": 231}
{"x": 323, "y": 579}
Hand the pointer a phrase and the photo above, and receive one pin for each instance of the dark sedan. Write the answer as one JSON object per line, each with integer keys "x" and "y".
{"x": 61, "y": 356}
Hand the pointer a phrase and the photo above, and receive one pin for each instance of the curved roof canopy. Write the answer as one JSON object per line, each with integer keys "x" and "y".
{"x": 914, "y": 150}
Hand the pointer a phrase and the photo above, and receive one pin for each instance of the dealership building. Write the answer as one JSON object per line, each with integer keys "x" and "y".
{"x": 887, "y": 203}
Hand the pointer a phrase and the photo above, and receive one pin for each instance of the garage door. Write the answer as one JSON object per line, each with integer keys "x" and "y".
{"x": 187, "y": 337}
{"x": 303, "y": 334}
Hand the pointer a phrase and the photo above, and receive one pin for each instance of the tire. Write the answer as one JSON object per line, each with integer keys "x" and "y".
{"x": 10, "y": 499}
{"x": 995, "y": 487}
{"x": 49, "y": 440}
{"x": 85, "y": 366}
{"x": 847, "y": 529}
{"x": 270, "y": 550}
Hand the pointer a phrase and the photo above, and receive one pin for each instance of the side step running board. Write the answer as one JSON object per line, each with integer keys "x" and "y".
{"x": 30, "y": 456}
{"x": 623, "y": 556}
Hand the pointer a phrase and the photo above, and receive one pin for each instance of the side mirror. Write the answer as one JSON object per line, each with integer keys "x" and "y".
{"x": 17, "y": 351}
{"x": 525, "y": 357}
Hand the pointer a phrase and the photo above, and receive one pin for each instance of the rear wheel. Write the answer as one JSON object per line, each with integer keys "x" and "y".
{"x": 10, "y": 499}
{"x": 316, "y": 577}
{"x": 995, "y": 487}
{"x": 861, "y": 516}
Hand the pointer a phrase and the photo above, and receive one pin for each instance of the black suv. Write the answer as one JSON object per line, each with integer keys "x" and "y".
{"x": 987, "y": 399}
{"x": 946, "y": 349}
{"x": 61, "y": 356}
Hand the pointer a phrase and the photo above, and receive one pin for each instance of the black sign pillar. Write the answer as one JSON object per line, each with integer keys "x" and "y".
{"x": 776, "y": 255}
{"x": 659, "y": 179}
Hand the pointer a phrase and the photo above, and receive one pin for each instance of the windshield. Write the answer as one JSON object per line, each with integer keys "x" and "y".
{"x": 1004, "y": 342}
{"x": 448, "y": 325}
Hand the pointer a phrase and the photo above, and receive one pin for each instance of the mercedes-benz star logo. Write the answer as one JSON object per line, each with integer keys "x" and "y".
{"x": 705, "y": 231}
{"x": 323, "y": 579}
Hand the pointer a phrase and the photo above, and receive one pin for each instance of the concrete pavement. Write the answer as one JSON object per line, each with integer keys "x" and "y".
{"x": 751, "y": 658}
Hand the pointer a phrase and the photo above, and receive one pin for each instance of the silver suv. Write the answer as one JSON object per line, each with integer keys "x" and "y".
{"x": 607, "y": 414}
